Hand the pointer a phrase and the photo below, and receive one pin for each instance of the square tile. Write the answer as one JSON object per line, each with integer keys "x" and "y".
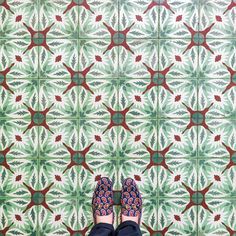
{"x": 176, "y": 98}
{"x": 219, "y": 15}
{"x": 218, "y": 175}
{"x": 100, "y": 136}
{"x": 98, "y": 19}
{"x": 58, "y": 58}
{"x": 16, "y": 219}
{"x": 218, "y": 60}
{"x": 18, "y": 60}
{"x": 139, "y": 98}
{"x": 174, "y": 175}
{"x": 18, "y": 176}
{"x": 177, "y": 138}
{"x": 16, "y": 16}
{"x": 59, "y": 97}
{"x": 62, "y": 219}
{"x": 17, "y": 141}
{"x": 215, "y": 138}
{"x": 60, "y": 175}
{"x": 135, "y": 140}
{"x": 175, "y": 218}
{"x": 139, "y": 59}
{"x": 60, "y": 18}
{"x": 178, "y": 59}
{"x": 18, "y": 97}
{"x": 219, "y": 220}
{"x": 98, "y": 59}
{"x": 178, "y": 19}
{"x": 214, "y": 96}
{"x": 97, "y": 97}
{"x": 57, "y": 138}
{"x": 139, "y": 18}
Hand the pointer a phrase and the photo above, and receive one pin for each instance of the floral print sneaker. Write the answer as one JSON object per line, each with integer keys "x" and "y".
{"x": 102, "y": 202}
{"x": 131, "y": 200}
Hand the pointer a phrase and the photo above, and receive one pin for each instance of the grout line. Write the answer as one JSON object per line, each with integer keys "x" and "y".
{"x": 129, "y": 38}
{"x": 46, "y": 79}
{"x": 6, "y": 119}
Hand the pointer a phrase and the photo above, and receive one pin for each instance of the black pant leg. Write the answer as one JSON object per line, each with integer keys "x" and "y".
{"x": 102, "y": 229}
{"x": 128, "y": 228}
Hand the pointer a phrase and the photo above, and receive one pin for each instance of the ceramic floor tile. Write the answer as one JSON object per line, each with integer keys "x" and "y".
{"x": 63, "y": 220}
{"x": 216, "y": 138}
{"x": 61, "y": 176}
{"x": 221, "y": 16}
{"x": 18, "y": 95}
{"x": 139, "y": 98}
{"x": 177, "y": 138}
{"x": 141, "y": 17}
{"x": 17, "y": 176}
{"x": 139, "y": 59}
{"x": 97, "y": 19}
{"x": 211, "y": 94}
{"x": 219, "y": 175}
{"x": 177, "y": 97}
{"x": 175, "y": 218}
{"x": 177, "y": 59}
{"x": 178, "y": 19}
{"x": 174, "y": 176}
{"x": 134, "y": 143}
{"x": 97, "y": 97}
{"x": 15, "y": 219}
{"x": 58, "y": 58}
{"x": 118, "y": 88}
{"x": 219, "y": 219}
{"x": 59, "y": 98}
{"x": 98, "y": 137}
{"x": 55, "y": 141}
{"x": 16, "y": 142}
{"x": 16, "y": 16}
{"x": 98, "y": 59}
{"x": 17, "y": 61}
{"x": 220, "y": 58}
{"x": 56, "y": 16}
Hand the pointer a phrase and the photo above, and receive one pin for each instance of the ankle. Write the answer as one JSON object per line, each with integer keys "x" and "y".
{"x": 105, "y": 219}
{"x": 130, "y": 218}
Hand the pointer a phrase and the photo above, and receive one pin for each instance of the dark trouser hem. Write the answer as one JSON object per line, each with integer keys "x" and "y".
{"x": 127, "y": 228}
{"x": 102, "y": 229}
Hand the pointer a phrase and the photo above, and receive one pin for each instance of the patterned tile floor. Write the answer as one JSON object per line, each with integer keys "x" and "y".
{"x": 118, "y": 88}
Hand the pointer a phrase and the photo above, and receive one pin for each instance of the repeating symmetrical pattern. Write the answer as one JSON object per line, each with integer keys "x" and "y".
{"x": 120, "y": 88}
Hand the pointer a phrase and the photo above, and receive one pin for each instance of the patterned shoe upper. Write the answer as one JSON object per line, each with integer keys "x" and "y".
{"x": 102, "y": 202}
{"x": 131, "y": 200}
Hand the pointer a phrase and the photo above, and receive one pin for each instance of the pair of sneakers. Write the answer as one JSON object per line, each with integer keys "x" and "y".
{"x": 131, "y": 201}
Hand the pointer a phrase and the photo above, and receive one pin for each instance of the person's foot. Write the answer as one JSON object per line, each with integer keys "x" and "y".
{"x": 102, "y": 202}
{"x": 131, "y": 202}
